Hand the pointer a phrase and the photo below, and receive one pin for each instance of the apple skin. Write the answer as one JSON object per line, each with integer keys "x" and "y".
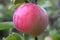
{"x": 30, "y": 19}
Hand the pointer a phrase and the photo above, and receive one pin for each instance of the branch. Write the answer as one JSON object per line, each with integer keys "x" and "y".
{"x": 36, "y": 38}
{"x": 31, "y": 1}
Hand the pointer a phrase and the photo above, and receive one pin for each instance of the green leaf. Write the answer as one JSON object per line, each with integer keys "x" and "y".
{"x": 14, "y": 6}
{"x": 28, "y": 37}
{"x": 41, "y": 2}
{"x": 52, "y": 2}
{"x": 58, "y": 31}
{"x": 46, "y": 4}
{"x": 6, "y": 25}
{"x": 7, "y": 13}
{"x": 16, "y": 3}
{"x": 14, "y": 36}
{"x": 53, "y": 34}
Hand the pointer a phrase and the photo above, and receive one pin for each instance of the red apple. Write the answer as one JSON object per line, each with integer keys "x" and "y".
{"x": 30, "y": 18}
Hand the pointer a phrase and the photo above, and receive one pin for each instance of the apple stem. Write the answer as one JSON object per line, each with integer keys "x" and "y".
{"x": 36, "y": 38}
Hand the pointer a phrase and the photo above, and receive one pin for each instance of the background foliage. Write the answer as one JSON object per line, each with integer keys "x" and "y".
{"x": 7, "y": 30}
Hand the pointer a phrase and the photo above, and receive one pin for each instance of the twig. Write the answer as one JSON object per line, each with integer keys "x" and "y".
{"x": 36, "y": 38}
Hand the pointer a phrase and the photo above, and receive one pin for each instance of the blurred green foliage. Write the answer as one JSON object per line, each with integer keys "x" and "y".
{"x": 53, "y": 10}
{"x": 6, "y": 25}
{"x": 13, "y": 36}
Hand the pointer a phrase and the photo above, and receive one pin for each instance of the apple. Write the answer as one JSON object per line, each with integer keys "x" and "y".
{"x": 30, "y": 18}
